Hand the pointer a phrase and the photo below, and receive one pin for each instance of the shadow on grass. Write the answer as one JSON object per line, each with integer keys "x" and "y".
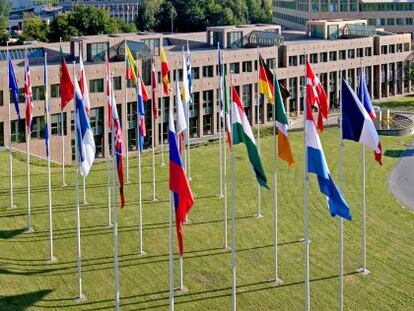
{"x": 399, "y": 153}
{"x": 23, "y": 301}
{"x": 8, "y": 234}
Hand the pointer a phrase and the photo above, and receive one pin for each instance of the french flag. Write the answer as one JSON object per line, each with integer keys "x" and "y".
{"x": 317, "y": 165}
{"x": 357, "y": 124}
{"x": 86, "y": 143}
{"x": 183, "y": 197}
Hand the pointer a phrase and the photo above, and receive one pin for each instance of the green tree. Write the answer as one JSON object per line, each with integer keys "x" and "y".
{"x": 61, "y": 28}
{"x": 34, "y": 28}
{"x": 147, "y": 18}
{"x": 4, "y": 21}
{"x": 125, "y": 27}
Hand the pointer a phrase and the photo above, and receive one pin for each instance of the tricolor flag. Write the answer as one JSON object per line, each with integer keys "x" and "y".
{"x": 316, "y": 95}
{"x": 265, "y": 80}
{"x": 317, "y": 165}
{"x": 83, "y": 85}
{"x": 108, "y": 91}
{"x": 85, "y": 140}
{"x": 165, "y": 71}
{"x": 13, "y": 86}
{"x": 224, "y": 96}
{"x": 132, "y": 73}
{"x": 183, "y": 198}
{"x": 28, "y": 93}
{"x": 141, "y": 116}
{"x": 65, "y": 85}
{"x": 357, "y": 125}
{"x": 242, "y": 133}
{"x": 154, "y": 89}
{"x": 284, "y": 149}
{"x": 181, "y": 120}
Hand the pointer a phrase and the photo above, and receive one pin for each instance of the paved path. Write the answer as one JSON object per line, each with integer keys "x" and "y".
{"x": 401, "y": 179}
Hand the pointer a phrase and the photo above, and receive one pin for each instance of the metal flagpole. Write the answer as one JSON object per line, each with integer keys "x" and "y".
{"x": 184, "y": 135}
{"x": 84, "y": 190}
{"x": 62, "y": 133}
{"x": 226, "y": 246}
{"x": 162, "y": 129}
{"x": 153, "y": 120}
{"x": 80, "y": 297}
{"x": 115, "y": 211}
{"x": 126, "y": 126}
{"x": 107, "y": 150}
{"x": 341, "y": 221}
{"x": 364, "y": 269}
{"x": 140, "y": 252}
{"x": 305, "y": 202}
{"x": 29, "y": 214}
{"x": 233, "y": 213}
{"x": 171, "y": 253}
{"x": 10, "y": 144}
{"x": 219, "y": 129}
{"x": 52, "y": 258}
{"x": 188, "y": 65}
{"x": 181, "y": 275}
{"x": 259, "y": 213}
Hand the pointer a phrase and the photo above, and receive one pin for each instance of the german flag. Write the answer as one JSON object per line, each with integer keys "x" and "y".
{"x": 165, "y": 70}
{"x": 265, "y": 80}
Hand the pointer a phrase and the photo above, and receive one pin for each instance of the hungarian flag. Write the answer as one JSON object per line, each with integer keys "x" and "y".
{"x": 28, "y": 93}
{"x": 179, "y": 186}
{"x": 265, "y": 80}
{"x": 242, "y": 133}
{"x": 154, "y": 89}
{"x": 165, "y": 70}
{"x": 83, "y": 85}
{"x": 66, "y": 84}
{"x": 108, "y": 91}
{"x": 132, "y": 73}
{"x": 316, "y": 95}
{"x": 284, "y": 149}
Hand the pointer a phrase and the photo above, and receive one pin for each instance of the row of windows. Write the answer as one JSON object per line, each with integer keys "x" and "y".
{"x": 391, "y": 21}
{"x": 290, "y": 18}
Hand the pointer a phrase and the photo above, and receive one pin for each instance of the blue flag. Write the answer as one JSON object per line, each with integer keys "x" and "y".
{"x": 45, "y": 78}
{"x": 14, "y": 88}
{"x": 363, "y": 95}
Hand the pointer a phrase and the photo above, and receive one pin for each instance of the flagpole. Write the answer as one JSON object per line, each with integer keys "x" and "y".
{"x": 188, "y": 65}
{"x": 305, "y": 202}
{"x": 183, "y": 135}
{"x": 62, "y": 133}
{"x": 226, "y": 246}
{"x": 364, "y": 269}
{"x": 171, "y": 253}
{"x": 108, "y": 151}
{"x": 259, "y": 214}
{"x": 29, "y": 214}
{"x": 162, "y": 129}
{"x": 84, "y": 190}
{"x": 140, "y": 252}
{"x": 108, "y": 185}
{"x": 115, "y": 211}
{"x": 341, "y": 221}
{"x": 80, "y": 297}
{"x": 126, "y": 127}
{"x": 52, "y": 258}
{"x": 10, "y": 143}
{"x": 153, "y": 120}
{"x": 233, "y": 213}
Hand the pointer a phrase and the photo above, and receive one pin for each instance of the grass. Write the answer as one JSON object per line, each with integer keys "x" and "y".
{"x": 29, "y": 283}
{"x": 398, "y": 103}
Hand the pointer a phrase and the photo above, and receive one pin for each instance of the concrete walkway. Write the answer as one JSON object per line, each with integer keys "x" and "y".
{"x": 401, "y": 179}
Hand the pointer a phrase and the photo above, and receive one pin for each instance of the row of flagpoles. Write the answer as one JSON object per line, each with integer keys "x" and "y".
{"x": 356, "y": 124}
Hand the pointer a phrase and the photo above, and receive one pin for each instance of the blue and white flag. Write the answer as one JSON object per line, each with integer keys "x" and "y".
{"x": 357, "y": 124}
{"x": 86, "y": 143}
{"x": 189, "y": 71}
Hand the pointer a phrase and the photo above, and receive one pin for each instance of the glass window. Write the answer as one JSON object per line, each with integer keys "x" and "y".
{"x": 234, "y": 39}
{"x": 384, "y": 49}
{"x": 342, "y": 54}
{"x": 247, "y": 66}
{"x": 247, "y": 95}
{"x": 314, "y": 58}
{"x": 96, "y": 86}
{"x": 208, "y": 71}
{"x": 368, "y": 51}
{"x": 323, "y": 57}
{"x": 18, "y": 128}
{"x": 195, "y": 73}
{"x": 360, "y": 52}
{"x": 293, "y": 61}
{"x": 391, "y": 48}
{"x": 38, "y": 92}
{"x": 56, "y": 123}
{"x": 54, "y": 91}
{"x": 351, "y": 53}
{"x": 390, "y": 21}
{"x": 1, "y": 98}
{"x": 117, "y": 83}
{"x": 302, "y": 59}
{"x": 38, "y": 129}
{"x": 235, "y": 68}
{"x": 332, "y": 56}
{"x": 96, "y": 51}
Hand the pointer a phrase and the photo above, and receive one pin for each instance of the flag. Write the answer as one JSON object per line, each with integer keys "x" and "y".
{"x": 242, "y": 133}
{"x": 85, "y": 140}
{"x": 65, "y": 85}
{"x": 181, "y": 120}
{"x": 224, "y": 97}
{"x": 357, "y": 125}
{"x": 183, "y": 198}
{"x": 316, "y": 95}
{"x": 317, "y": 165}
{"x": 119, "y": 146}
{"x": 265, "y": 80}
{"x": 189, "y": 71}
{"x": 154, "y": 89}
{"x": 47, "y": 108}
{"x": 132, "y": 73}
{"x": 186, "y": 97}
{"x": 363, "y": 95}
{"x": 108, "y": 91}
{"x": 141, "y": 116}
{"x": 14, "y": 88}
{"x": 165, "y": 70}
{"x": 28, "y": 93}
{"x": 83, "y": 85}
{"x": 284, "y": 149}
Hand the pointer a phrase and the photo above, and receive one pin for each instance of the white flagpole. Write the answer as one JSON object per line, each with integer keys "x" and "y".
{"x": 52, "y": 258}
{"x": 84, "y": 190}
{"x": 171, "y": 253}
{"x": 364, "y": 269}
{"x": 162, "y": 129}
{"x": 10, "y": 143}
{"x": 181, "y": 275}
{"x": 126, "y": 126}
{"x": 233, "y": 214}
{"x": 226, "y": 246}
{"x": 140, "y": 252}
{"x": 305, "y": 203}
{"x": 80, "y": 297}
{"x": 341, "y": 220}
{"x": 184, "y": 135}
{"x": 108, "y": 153}
{"x": 219, "y": 129}
{"x": 115, "y": 211}
{"x": 259, "y": 213}
{"x": 188, "y": 61}
{"x": 62, "y": 133}
{"x": 153, "y": 120}
{"x": 29, "y": 214}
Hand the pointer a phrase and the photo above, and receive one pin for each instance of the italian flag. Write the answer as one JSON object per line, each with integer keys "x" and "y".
{"x": 242, "y": 133}
{"x": 284, "y": 150}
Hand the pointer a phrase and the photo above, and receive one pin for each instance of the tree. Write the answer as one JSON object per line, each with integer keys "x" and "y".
{"x": 125, "y": 27}
{"x": 147, "y": 19}
{"x": 34, "y": 28}
{"x": 4, "y": 21}
{"x": 61, "y": 28}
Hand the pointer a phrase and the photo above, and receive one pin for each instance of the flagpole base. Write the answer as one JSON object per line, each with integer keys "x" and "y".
{"x": 142, "y": 254}
{"x": 181, "y": 291}
{"x": 226, "y": 248}
{"x": 13, "y": 206}
{"x": 363, "y": 271}
{"x": 85, "y": 202}
{"x": 220, "y": 196}
{"x": 162, "y": 164}
{"x": 29, "y": 230}
{"x": 64, "y": 185}
{"x": 187, "y": 221}
{"x": 258, "y": 216}
{"x": 52, "y": 260}
{"x": 303, "y": 240}
{"x": 110, "y": 225}
{"x": 276, "y": 282}
{"x": 155, "y": 199}
{"x": 81, "y": 298}
{"x": 128, "y": 182}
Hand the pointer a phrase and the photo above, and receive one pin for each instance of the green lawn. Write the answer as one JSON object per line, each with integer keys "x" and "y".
{"x": 398, "y": 103}
{"x": 27, "y": 282}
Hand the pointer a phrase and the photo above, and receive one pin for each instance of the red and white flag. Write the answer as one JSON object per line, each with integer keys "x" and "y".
{"x": 83, "y": 85}
{"x": 28, "y": 93}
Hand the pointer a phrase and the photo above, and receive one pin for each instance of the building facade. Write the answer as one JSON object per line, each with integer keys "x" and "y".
{"x": 384, "y": 56}
{"x": 394, "y": 16}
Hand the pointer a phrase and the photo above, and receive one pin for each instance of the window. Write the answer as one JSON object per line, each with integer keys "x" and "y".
{"x": 399, "y": 47}
{"x": 38, "y": 130}
{"x": 235, "y": 68}
{"x": 195, "y": 73}
{"x": 293, "y": 61}
{"x": 302, "y": 59}
{"x": 270, "y": 62}
{"x": 384, "y": 49}
{"x": 406, "y": 47}
{"x": 1, "y": 98}
{"x": 314, "y": 58}
{"x": 409, "y": 21}
{"x": 117, "y": 83}
{"x": 56, "y": 124}
{"x": 400, "y": 21}
{"x": 351, "y": 53}
{"x": 208, "y": 102}
{"x": 368, "y": 51}
{"x": 333, "y": 31}
{"x": 247, "y": 95}
{"x": 54, "y": 91}
{"x": 332, "y": 56}
{"x": 153, "y": 44}
{"x": 323, "y": 57}
{"x": 247, "y": 66}
{"x": 390, "y": 21}
{"x": 96, "y": 86}
{"x": 234, "y": 39}
{"x": 360, "y": 52}
{"x": 342, "y": 54}
{"x": 96, "y": 51}
{"x": 178, "y": 75}
{"x": 391, "y": 48}
{"x": 208, "y": 71}
{"x": 18, "y": 131}
{"x": 38, "y": 92}
{"x": 2, "y": 134}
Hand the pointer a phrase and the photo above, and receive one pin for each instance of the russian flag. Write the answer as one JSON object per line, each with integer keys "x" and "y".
{"x": 317, "y": 165}
{"x": 86, "y": 143}
{"x": 183, "y": 197}
{"x": 357, "y": 125}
